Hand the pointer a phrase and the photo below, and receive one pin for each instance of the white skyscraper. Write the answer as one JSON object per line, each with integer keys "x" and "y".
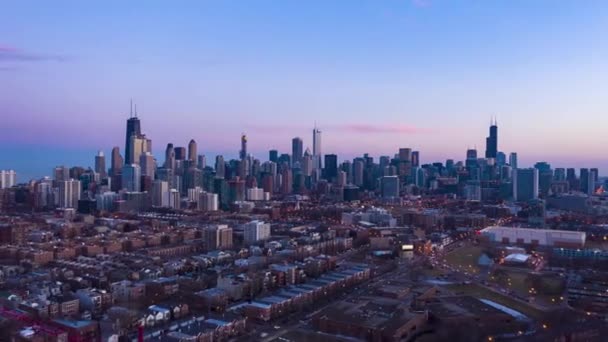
{"x": 255, "y": 231}
{"x": 316, "y": 148}
{"x": 174, "y": 199}
{"x": 69, "y": 193}
{"x": 8, "y": 178}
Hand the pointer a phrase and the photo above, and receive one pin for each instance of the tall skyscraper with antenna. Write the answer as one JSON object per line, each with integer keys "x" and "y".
{"x": 316, "y": 148}
{"x": 492, "y": 140}
{"x": 133, "y": 129}
{"x": 243, "y": 152}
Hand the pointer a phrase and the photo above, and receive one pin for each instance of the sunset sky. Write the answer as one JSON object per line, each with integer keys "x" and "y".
{"x": 374, "y": 75}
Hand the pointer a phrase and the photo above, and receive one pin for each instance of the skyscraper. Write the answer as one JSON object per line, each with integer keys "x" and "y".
{"x": 117, "y": 162}
{"x": 133, "y": 129}
{"x": 202, "y": 161}
{"x": 8, "y": 178}
{"x": 100, "y": 164}
{"x": 139, "y": 145}
{"x": 192, "y": 153}
{"x": 316, "y": 148}
{"x": 389, "y": 186}
{"x": 297, "y": 150}
{"x": 306, "y": 163}
{"x": 584, "y": 180}
{"x": 492, "y": 141}
{"x": 69, "y": 193}
{"x": 243, "y": 152}
{"x": 331, "y": 167}
{"x": 61, "y": 173}
{"x": 471, "y": 160}
{"x": 415, "y": 158}
{"x": 358, "y": 167}
{"x": 220, "y": 167}
{"x": 169, "y": 157}
{"x": 147, "y": 164}
{"x": 513, "y": 160}
{"x": 273, "y": 156}
{"x": 180, "y": 153}
{"x": 525, "y": 184}
{"x": 131, "y": 178}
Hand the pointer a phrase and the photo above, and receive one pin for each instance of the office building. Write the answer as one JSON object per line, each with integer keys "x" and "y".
{"x": 492, "y": 141}
{"x": 208, "y": 201}
{"x": 116, "y": 162}
{"x": 584, "y": 180}
{"x": 255, "y": 231}
{"x": 243, "y": 152}
{"x": 139, "y": 145}
{"x": 180, "y": 153}
{"x": 100, "y": 164}
{"x": 255, "y": 194}
{"x": 297, "y": 150}
{"x": 389, "y": 187}
{"x": 131, "y": 178}
{"x": 331, "y": 167}
{"x": 217, "y": 236}
{"x": 160, "y": 193}
{"x": 513, "y": 160}
{"x": 415, "y": 159}
{"x": 358, "y": 167}
{"x": 273, "y": 156}
{"x": 147, "y": 164}
{"x": 61, "y": 173}
{"x": 133, "y": 129}
{"x": 192, "y": 153}
{"x": 525, "y": 184}
{"x": 316, "y": 148}
{"x": 202, "y": 161}
{"x": 170, "y": 157}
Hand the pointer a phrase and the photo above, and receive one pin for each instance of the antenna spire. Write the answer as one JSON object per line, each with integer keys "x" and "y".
{"x": 136, "y": 110}
{"x": 131, "y": 112}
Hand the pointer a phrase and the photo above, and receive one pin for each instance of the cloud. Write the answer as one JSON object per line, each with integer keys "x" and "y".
{"x": 12, "y": 54}
{"x": 384, "y": 129}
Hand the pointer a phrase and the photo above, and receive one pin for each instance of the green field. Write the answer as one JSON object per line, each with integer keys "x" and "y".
{"x": 465, "y": 258}
{"x": 518, "y": 282}
{"x": 481, "y": 292}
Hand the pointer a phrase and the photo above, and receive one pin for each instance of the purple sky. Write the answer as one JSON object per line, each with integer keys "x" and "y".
{"x": 374, "y": 75}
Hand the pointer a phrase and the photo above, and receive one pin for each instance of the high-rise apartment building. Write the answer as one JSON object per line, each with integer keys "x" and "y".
{"x": 69, "y": 193}
{"x": 255, "y": 231}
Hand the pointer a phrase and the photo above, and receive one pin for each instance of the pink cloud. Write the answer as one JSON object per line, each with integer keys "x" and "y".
{"x": 12, "y": 54}
{"x": 374, "y": 129}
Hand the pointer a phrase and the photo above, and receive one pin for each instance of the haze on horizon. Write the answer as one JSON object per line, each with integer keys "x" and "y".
{"x": 374, "y": 75}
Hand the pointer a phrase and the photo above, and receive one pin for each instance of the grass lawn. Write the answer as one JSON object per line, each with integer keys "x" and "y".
{"x": 465, "y": 258}
{"x": 516, "y": 281}
{"x": 481, "y": 292}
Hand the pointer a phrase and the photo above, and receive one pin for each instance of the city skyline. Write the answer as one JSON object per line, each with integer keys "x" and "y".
{"x": 88, "y": 159}
{"x": 431, "y": 76}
